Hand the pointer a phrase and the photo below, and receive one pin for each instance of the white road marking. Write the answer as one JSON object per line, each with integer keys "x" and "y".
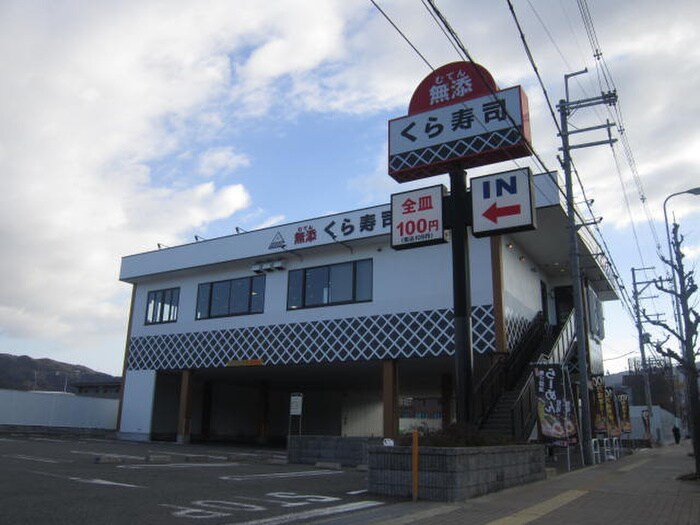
{"x": 316, "y": 513}
{"x": 94, "y": 481}
{"x": 220, "y": 458}
{"x": 50, "y": 440}
{"x": 33, "y": 458}
{"x": 89, "y": 453}
{"x": 275, "y": 475}
{"x": 356, "y": 492}
{"x": 179, "y": 465}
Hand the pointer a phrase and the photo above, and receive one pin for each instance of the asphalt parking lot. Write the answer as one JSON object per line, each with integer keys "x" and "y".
{"x": 46, "y": 480}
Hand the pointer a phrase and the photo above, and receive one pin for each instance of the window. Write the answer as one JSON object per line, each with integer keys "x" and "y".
{"x": 232, "y": 297}
{"x": 342, "y": 283}
{"x": 162, "y": 306}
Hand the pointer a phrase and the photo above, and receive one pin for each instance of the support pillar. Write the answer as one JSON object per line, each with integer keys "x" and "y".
{"x": 264, "y": 417}
{"x": 447, "y": 391}
{"x": 390, "y": 398}
{"x": 184, "y": 419}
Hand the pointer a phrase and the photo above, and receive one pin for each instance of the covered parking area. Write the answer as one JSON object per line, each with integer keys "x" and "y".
{"x": 250, "y": 402}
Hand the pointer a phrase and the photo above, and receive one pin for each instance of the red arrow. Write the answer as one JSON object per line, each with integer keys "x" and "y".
{"x": 494, "y": 212}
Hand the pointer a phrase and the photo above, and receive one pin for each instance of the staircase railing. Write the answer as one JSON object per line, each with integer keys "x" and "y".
{"x": 563, "y": 343}
{"x": 524, "y": 352}
{"x": 524, "y": 411}
{"x": 505, "y": 373}
{"x": 489, "y": 389}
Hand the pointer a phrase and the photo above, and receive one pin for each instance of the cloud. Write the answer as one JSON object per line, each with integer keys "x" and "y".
{"x": 221, "y": 160}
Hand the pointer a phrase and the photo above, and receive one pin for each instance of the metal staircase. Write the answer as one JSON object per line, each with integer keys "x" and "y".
{"x": 514, "y": 411}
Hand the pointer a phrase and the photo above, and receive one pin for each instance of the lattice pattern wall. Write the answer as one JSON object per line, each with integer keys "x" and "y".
{"x": 516, "y": 327}
{"x": 390, "y": 336}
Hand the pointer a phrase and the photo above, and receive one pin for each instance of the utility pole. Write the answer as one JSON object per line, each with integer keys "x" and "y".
{"x": 643, "y": 340}
{"x": 566, "y": 107}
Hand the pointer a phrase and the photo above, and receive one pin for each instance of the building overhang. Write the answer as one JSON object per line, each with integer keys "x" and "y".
{"x": 549, "y": 245}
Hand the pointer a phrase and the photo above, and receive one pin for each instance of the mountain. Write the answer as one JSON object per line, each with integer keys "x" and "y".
{"x": 25, "y": 373}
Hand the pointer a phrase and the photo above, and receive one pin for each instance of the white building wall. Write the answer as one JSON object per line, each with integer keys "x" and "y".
{"x": 137, "y": 404}
{"x": 57, "y": 409}
{"x": 403, "y": 281}
{"x": 522, "y": 294}
{"x": 362, "y": 414}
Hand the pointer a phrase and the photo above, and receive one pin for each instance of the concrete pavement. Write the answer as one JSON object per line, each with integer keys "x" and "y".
{"x": 639, "y": 489}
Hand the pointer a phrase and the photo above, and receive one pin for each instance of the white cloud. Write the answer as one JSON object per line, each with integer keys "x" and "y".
{"x": 221, "y": 159}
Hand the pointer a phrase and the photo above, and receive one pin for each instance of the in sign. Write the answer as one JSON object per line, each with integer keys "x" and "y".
{"x": 502, "y": 202}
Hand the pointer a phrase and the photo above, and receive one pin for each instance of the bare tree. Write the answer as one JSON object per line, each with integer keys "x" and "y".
{"x": 686, "y": 333}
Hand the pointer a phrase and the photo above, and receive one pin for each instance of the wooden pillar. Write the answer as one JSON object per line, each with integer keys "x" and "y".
{"x": 184, "y": 418}
{"x": 206, "y": 409}
{"x": 390, "y": 398}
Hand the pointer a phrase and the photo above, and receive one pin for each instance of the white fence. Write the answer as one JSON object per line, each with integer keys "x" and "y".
{"x": 57, "y": 409}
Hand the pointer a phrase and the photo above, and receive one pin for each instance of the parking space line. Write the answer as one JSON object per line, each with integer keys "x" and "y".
{"x": 220, "y": 458}
{"x": 276, "y": 475}
{"x": 316, "y": 513}
{"x": 179, "y": 465}
{"x": 33, "y": 458}
{"x": 94, "y": 481}
{"x": 122, "y": 456}
{"x": 356, "y": 492}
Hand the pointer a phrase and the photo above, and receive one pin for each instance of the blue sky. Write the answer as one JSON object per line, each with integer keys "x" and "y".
{"x": 125, "y": 124}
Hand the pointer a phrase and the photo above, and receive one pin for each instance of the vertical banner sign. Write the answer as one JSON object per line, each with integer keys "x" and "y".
{"x": 554, "y": 411}
{"x": 600, "y": 419}
{"x": 416, "y": 218}
{"x": 625, "y": 422}
{"x": 611, "y": 410}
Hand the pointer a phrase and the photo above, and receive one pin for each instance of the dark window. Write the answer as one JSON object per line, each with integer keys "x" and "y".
{"x": 342, "y": 283}
{"x": 232, "y": 297}
{"x": 162, "y": 306}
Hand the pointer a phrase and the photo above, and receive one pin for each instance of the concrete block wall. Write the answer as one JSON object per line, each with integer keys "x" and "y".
{"x": 454, "y": 474}
{"x": 347, "y": 451}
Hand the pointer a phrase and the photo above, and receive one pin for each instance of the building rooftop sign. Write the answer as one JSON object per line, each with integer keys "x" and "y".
{"x": 458, "y": 118}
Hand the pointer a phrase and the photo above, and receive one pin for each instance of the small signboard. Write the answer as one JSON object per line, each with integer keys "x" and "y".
{"x": 416, "y": 218}
{"x": 295, "y": 404}
{"x": 502, "y": 202}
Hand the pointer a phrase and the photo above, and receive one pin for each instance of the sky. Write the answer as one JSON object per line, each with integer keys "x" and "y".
{"x": 124, "y": 124}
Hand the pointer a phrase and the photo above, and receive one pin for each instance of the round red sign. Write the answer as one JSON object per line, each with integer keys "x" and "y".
{"x": 449, "y": 84}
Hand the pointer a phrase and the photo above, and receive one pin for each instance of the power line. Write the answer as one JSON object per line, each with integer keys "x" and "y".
{"x": 402, "y": 35}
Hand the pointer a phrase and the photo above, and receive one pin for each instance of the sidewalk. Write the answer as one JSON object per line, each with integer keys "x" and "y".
{"x": 640, "y": 489}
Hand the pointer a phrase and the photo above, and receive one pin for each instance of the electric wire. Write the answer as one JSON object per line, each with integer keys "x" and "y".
{"x": 600, "y": 239}
{"x": 402, "y": 35}
{"x": 454, "y": 39}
